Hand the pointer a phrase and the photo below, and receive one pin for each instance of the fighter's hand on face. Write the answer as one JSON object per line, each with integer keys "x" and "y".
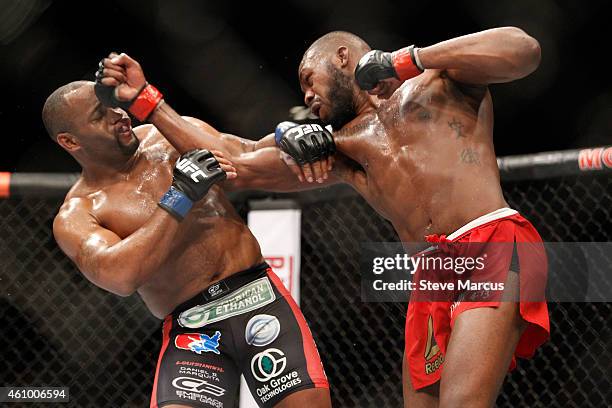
{"x": 306, "y": 149}
{"x": 120, "y": 82}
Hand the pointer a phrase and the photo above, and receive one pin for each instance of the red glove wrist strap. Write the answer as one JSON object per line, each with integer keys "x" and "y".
{"x": 404, "y": 63}
{"x": 145, "y": 103}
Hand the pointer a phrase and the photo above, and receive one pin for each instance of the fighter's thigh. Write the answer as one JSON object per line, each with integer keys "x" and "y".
{"x": 196, "y": 368}
{"x": 424, "y": 398}
{"x": 479, "y": 352}
{"x": 279, "y": 359}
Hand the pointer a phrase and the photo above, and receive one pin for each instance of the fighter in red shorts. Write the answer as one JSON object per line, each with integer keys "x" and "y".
{"x": 413, "y": 132}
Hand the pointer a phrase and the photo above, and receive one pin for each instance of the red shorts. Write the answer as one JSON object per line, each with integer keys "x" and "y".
{"x": 429, "y": 323}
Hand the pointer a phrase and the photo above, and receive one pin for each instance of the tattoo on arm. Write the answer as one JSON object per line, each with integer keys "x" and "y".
{"x": 470, "y": 156}
{"x": 352, "y": 130}
{"x": 457, "y": 128}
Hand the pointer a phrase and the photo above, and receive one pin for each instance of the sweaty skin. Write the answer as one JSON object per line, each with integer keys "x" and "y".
{"x": 424, "y": 159}
{"x": 110, "y": 224}
{"x": 426, "y": 156}
{"x": 423, "y": 155}
{"x": 105, "y": 226}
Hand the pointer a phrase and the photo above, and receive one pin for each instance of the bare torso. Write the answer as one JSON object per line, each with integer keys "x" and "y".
{"x": 427, "y": 156}
{"x": 212, "y": 242}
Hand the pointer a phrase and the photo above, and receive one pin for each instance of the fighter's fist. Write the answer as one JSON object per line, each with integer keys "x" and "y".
{"x": 306, "y": 143}
{"x": 306, "y": 149}
{"x": 120, "y": 82}
{"x": 381, "y": 73}
{"x": 373, "y": 67}
{"x": 124, "y": 73}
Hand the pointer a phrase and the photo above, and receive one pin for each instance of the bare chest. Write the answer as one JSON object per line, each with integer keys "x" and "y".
{"x": 127, "y": 205}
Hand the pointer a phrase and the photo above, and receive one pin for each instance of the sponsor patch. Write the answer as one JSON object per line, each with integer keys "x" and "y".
{"x": 268, "y": 364}
{"x": 268, "y": 367}
{"x": 245, "y": 299}
{"x": 198, "y": 342}
{"x": 261, "y": 330}
{"x": 215, "y": 290}
{"x": 197, "y": 385}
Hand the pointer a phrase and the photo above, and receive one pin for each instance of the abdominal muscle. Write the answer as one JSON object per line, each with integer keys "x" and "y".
{"x": 210, "y": 249}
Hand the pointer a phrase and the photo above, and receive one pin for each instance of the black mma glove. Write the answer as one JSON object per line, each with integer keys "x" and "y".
{"x": 304, "y": 143}
{"x": 194, "y": 173}
{"x": 377, "y": 65}
{"x": 140, "y": 106}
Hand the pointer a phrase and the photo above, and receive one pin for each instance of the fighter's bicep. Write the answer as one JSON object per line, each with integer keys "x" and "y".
{"x": 229, "y": 144}
{"x": 237, "y": 145}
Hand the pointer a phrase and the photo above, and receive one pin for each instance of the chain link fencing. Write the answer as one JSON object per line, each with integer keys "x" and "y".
{"x": 58, "y": 329}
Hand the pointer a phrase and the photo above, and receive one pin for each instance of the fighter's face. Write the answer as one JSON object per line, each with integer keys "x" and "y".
{"x": 100, "y": 131}
{"x": 328, "y": 91}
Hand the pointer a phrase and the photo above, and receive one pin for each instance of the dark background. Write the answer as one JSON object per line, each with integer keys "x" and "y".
{"x": 234, "y": 64}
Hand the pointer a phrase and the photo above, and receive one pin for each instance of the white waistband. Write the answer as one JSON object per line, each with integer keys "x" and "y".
{"x": 494, "y": 215}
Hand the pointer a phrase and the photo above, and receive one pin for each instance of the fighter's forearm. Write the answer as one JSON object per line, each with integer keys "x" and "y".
{"x": 263, "y": 169}
{"x": 491, "y": 56}
{"x": 183, "y": 135}
{"x": 266, "y": 141}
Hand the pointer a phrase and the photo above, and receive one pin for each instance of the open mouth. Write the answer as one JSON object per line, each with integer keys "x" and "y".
{"x": 123, "y": 127}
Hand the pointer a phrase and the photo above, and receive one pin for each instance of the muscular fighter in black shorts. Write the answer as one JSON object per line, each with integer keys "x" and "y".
{"x": 149, "y": 215}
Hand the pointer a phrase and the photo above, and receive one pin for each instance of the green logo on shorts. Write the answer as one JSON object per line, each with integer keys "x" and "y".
{"x": 266, "y": 364}
{"x": 249, "y": 297}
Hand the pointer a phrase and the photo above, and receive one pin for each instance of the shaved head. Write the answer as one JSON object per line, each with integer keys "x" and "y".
{"x": 331, "y": 41}
{"x": 56, "y": 113}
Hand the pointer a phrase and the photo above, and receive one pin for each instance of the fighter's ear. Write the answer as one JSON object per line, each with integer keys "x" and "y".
{"x": 68, "y": 141}
{"x": 342, "y": 53}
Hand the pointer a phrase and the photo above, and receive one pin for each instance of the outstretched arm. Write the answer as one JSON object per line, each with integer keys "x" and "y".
{"x": 258, "y": 164}
{"x": 262, "y": 166}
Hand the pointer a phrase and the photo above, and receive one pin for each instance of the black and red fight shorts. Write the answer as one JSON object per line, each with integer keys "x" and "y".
{"x": 245, "y": 324}
{"x": 503, "y": 241}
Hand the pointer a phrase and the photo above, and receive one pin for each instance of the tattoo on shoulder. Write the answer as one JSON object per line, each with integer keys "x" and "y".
{"x": 457, "y": 127}
{"x": 470, "y": 156}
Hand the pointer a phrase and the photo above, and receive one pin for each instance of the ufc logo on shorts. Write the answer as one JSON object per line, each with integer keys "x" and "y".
{"x": 305, "y": 129}
{"x": 186, "y": 166}
{"x": 197, "y": 385}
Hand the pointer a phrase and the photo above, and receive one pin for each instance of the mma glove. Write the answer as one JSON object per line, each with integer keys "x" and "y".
{"x": 194, "y": 174}
{"x": 306, "y": 143}
{"x": 141, "y": 106}
{"x": 377, "y": 65}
